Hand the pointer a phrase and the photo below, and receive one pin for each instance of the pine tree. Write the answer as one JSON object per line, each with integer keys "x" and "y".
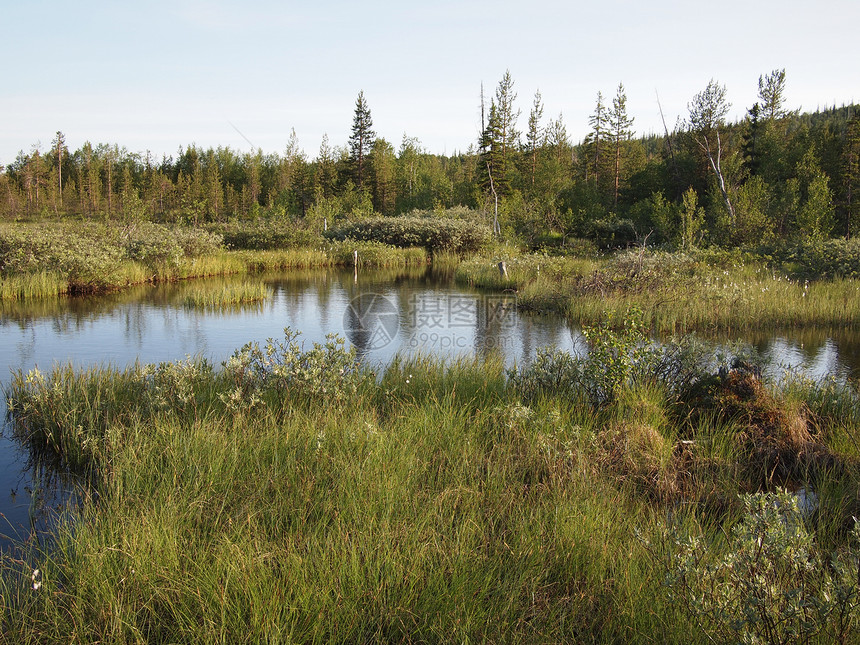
{"x": 535, "y": 136}
{"x": 596, "y": 140}
{"x": 771, "y": 90}
{"x": 620, "y": 127}
{"x": 361, "y": 140}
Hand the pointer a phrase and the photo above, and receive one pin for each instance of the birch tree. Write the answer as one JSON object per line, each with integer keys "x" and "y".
{"x": 708, "y": 111}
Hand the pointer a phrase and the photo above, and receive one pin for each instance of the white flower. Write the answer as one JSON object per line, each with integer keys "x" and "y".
{"x": 37, "y": 579}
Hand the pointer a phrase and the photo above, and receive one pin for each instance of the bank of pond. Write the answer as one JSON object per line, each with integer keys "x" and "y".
{"x": 810, "y": 284}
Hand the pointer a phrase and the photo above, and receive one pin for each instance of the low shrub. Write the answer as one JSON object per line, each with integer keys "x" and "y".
{"x": 326, "y": 371}
{"x": 265, "y": 235}
{"x": 769, "y": 583}
{"x": 612, "y": 233}
{"x": 820, "y": 258}
{"x": 91, "y": 255}
{"x": 431, "y": 233}
{"x": 617, "y": 358}
{"x": 196, "y": 242}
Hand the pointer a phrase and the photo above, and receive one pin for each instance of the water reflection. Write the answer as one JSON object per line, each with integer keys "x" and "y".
{"x": 817, "y": 352}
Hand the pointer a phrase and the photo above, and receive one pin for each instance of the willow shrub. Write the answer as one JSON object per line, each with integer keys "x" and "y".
{"x": 431, "y": 233}
{"x": 78, "y": 416}
{"x": 96, "y": 256}
{"x": 769, "y": 583}
{"x": 618, "y": 357}
{"x": 265, "y": 235}
{"x": 819, "y": 258}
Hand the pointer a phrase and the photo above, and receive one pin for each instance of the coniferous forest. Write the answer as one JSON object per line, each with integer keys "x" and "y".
{"x": 775, "y": 175}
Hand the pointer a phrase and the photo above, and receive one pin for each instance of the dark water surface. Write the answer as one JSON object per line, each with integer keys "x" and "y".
{"x": 381, "y": 313}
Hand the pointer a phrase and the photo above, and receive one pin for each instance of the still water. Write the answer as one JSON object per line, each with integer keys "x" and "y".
{"x": 381, "y": 313}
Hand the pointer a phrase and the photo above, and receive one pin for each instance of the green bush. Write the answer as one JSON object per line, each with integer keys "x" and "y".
{"x": 265, "y": 235}
{"x": 822, "y": 258}
{"x": 611, "y": 233}
{"x": 431, "y": 233}
{"x": 769, "y": 584}
{"x": 86, "y": 255}
{"x": 326, "y": 371}
{"x": 617, "y": 357}
{"x": 196, "y": 242}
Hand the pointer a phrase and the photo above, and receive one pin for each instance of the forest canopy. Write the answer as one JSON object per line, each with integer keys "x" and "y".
{"x": 776, "y": 174}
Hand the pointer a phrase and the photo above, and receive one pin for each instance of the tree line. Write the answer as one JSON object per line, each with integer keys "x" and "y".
{"x": 775, "y": 174}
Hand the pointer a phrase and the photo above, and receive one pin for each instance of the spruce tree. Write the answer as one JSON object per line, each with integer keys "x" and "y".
{"x": 851, "y": 174}
{"x": 494, "y": 163}
{"x": 361, "y": 140}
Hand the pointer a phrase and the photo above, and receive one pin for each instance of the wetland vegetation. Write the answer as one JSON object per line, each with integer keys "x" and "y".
{"x": 292, "y": 494}
{"x": 639, "y": 491}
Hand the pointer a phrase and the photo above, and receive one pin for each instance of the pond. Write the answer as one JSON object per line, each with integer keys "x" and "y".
{"x": 381, "y": 313}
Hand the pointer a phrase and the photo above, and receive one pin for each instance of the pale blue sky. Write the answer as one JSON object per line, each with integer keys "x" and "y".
{"x": 160, "y": 75}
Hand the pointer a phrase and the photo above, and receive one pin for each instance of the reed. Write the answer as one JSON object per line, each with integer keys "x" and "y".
{"x": 31, "y": 286}
{"x": 280, "y": 260}
{"x": 233, "y": 295}
{"x": 446, "y": 261}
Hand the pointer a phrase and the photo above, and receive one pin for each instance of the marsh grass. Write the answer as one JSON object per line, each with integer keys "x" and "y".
{"x": 432, "y": 506}
{"x": 31, "y": 286}
{"x": 446, "y": 261}
{"x": 229, "y": 296}
{"x": 677, "y": 292}
{"x": 432, "y": 503}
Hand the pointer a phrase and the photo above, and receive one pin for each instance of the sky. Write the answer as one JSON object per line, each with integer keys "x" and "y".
{"x": 156, "y": 76}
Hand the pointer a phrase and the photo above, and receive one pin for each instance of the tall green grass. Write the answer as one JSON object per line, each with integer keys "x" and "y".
{"x": 293, "y": 497}
{"x": 342, "y": 524}
{"x": 678, "y": 293}
{"x": 229, "y": 296}
{"x": 28, "y": 286}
